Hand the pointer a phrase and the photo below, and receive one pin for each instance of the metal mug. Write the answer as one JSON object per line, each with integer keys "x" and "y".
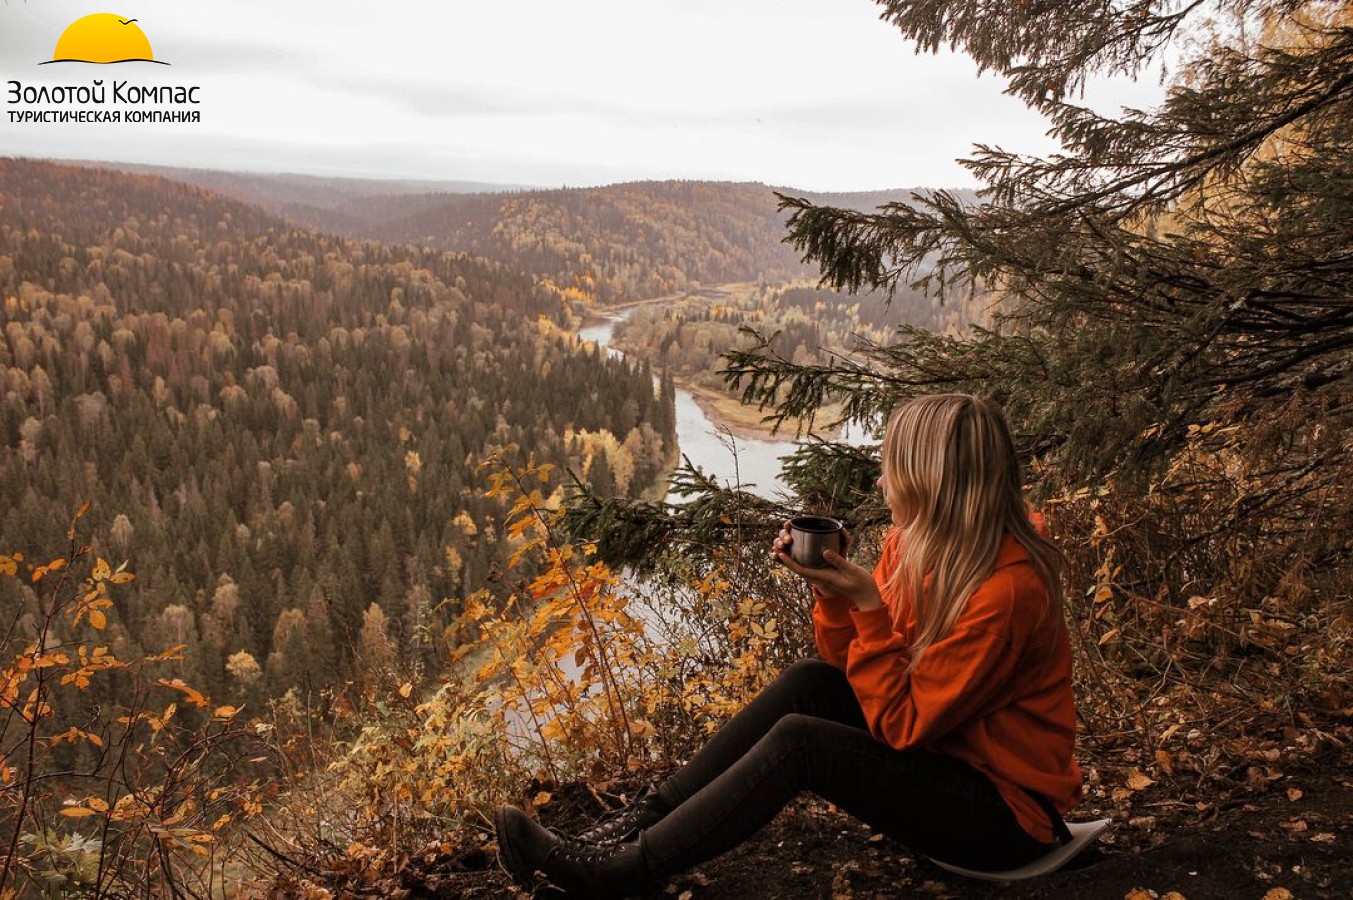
{"x": 812, "y": 535}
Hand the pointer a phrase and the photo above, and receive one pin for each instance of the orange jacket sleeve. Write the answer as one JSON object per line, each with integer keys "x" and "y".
{"x": 833, "y": 625}
{"x": 833, "y": 630}
{"x": 959, "y": 678}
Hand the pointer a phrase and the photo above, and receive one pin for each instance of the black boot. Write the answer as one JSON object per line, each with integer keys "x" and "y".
{"x": 601, "y": 872}
{"x": 620, "y": 827}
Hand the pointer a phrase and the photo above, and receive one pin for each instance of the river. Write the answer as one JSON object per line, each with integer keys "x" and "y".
{"x": 752, "y": 462}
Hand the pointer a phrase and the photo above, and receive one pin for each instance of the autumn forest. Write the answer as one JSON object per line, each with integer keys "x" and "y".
{"x": 280, "y": 428}
{"x": 324, "y": 534}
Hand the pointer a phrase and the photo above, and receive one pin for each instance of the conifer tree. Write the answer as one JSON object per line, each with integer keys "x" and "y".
{"x": 1173, "y": 288}
{"x": 1171, "y": 268}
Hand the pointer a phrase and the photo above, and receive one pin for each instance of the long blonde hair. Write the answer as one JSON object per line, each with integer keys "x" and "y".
{"x": 951, "y": 470}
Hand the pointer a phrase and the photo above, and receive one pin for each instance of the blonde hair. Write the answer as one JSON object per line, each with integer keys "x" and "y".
{"x": 951, "y": 470}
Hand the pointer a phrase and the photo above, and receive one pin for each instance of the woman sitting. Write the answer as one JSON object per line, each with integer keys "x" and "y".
{"x": 940, "y": 714}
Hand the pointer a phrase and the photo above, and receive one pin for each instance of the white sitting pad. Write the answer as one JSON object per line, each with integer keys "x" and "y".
{"x": 1082, "y": 833}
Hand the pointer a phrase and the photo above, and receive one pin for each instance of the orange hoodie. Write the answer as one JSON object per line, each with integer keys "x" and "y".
{"x": 994, "y": 692}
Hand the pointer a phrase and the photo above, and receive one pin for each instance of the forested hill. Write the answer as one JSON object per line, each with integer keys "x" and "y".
{"x": 622, "y": 242}
{"x": 280, "y": 428}
{"x": 605, "y": 244}
{"x": 278, "y": 193}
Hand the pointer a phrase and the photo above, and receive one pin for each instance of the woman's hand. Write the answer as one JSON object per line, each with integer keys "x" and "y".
{"x": 839, "y": 579}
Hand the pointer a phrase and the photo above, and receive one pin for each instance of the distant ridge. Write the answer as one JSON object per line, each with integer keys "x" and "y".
{"x": 601, "y": 245}
{"x": 276, "y": 191}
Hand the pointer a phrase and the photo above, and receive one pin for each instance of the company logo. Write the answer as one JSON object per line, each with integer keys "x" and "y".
{"x": 103, "y": 38}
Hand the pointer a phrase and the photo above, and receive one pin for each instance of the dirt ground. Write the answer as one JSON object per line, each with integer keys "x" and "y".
{"x": 1272, "y": 840}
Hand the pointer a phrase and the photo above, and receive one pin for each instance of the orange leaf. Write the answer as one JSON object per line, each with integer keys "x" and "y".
{"x": 97, "y": 619}
{"x": 226, "y": 712}
{"x": 97, "y": 804}
{"x": 1110, "y": 635}
{"x": 195, "y": 697}
{"x": 1137, "y": 781}
{"x": 174, "y": 652}
{"x": 77, "y": 812}
{"x": 102, "y": 570}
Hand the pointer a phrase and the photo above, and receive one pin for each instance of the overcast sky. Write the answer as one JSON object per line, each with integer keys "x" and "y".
{"x": 814, "y": 94}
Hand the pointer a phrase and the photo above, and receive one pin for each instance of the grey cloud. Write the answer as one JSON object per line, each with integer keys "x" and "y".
{"x": 200, "y": 55}
{"x": 450, "y": 100}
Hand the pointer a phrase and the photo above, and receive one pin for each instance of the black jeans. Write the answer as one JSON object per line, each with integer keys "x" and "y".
{"x": 806, "y": 732}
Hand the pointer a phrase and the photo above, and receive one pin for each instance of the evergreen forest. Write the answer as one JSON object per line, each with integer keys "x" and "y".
{"x": 281, "y": 430}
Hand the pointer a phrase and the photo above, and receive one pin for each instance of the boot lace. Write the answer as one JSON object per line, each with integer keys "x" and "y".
{"x": 626, "y": 823}
{"x": 586, "y": 854}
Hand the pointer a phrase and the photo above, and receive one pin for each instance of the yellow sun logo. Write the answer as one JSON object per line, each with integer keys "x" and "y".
{"x": 103, "y": 38}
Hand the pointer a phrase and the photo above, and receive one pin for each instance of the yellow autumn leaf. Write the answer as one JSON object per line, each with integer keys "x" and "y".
{"x": 406, "y": 689}
{"x": 195, "y": 697}
{"x": 97, "y": 804}
{"x": 1138, "y": 781}
{"x": 541, "y": 799}
{"x": 226, "y": 712}
{"x": 173, "y": 653}
{"x": 98, "y": 619}
{"x": 102, "y": 570}
{"x": 77, "y": 812}
{"x": 1108, "y": 636}
{"x": 1278, "y": 893}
